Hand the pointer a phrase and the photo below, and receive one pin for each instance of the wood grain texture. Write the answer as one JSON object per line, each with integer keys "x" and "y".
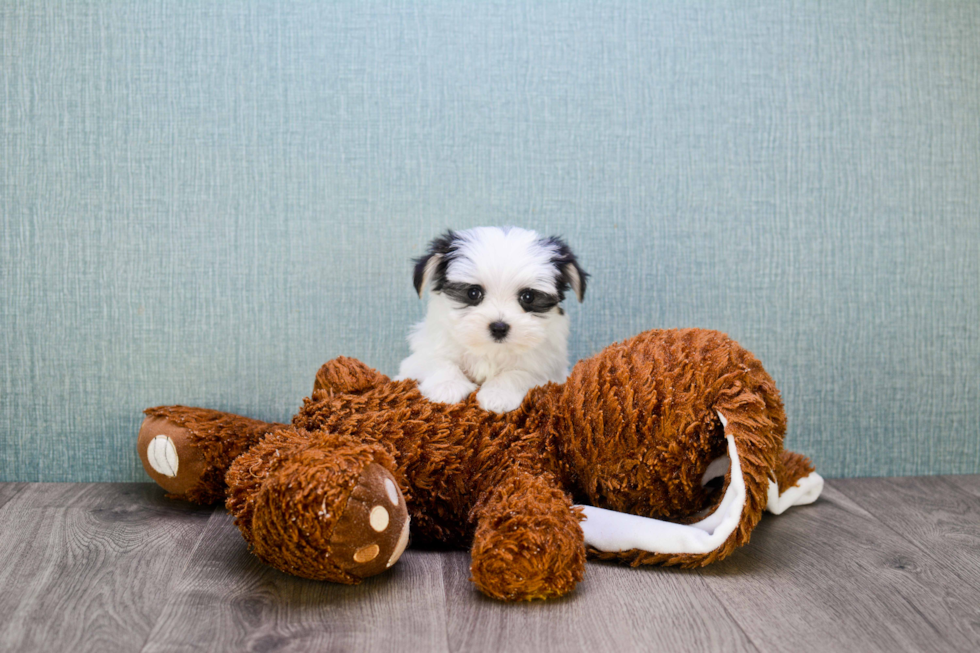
{"x": 932, "y": 512}
{"x": 831, "y": 577}
{"x": 119, "y": 567}
{"x": 82, "y": 567}
{"x": 967, "y": 482}
{"x": 9, "y": 490}
{"x": 229, "y": 601}
{"x": 615, "y": 608}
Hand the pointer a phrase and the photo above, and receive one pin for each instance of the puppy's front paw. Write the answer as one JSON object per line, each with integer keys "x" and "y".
{"x": 499, "y": 400}
{"x": 446, "y": 391}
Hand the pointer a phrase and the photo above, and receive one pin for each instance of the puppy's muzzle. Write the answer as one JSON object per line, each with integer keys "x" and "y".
{"x": 498, "y": 330}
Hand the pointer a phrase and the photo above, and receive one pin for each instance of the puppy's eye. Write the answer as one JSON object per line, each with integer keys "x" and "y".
{"x": 474, "y": 294}
{"x": 535, "y": 301}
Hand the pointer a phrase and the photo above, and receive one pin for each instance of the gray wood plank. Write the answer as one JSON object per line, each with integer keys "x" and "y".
{"x": 83, "y": 567}
{"x": 969, "y": 483}
{"x": 229, "y": 601}
{"x": 876, "y": 564}
{"x": 9, "y": 490}
{"x": 615, "y": 608}
{"x": 931, "y": 512}
{"x": 831, "y": 577}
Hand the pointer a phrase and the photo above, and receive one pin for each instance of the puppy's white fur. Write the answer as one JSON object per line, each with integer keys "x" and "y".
{"x": 453, "y": 349}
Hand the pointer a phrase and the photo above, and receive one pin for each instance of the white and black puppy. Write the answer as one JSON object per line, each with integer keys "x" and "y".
{"x": 494, "y": 319}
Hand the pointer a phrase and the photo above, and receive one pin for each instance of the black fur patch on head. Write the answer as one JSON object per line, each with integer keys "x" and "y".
{"x": 570, "y": 274}
{"x": 445, "y": 247}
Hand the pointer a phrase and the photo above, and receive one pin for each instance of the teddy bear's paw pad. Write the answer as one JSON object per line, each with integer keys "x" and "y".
{"x": 373, "y": 531}
{"x": 169, "y": 456}
{"x": 162, "y": 455}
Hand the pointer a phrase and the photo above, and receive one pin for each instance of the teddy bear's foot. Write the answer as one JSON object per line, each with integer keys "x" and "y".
{"x": 325, "y": 510}
{"x": 170, "y": 455}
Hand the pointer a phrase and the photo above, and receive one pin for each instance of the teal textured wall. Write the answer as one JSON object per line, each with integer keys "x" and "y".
{"x": 202, "y": 202}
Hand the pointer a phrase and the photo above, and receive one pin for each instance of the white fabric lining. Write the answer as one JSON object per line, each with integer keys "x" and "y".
{"x": 806, "y": 490}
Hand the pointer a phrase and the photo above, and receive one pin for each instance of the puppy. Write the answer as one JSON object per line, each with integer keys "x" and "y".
{"x": 494, "y": 319}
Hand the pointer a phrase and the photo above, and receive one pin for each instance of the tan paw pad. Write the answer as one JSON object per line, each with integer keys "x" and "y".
{"x": 379, "y": 518}
{"x": 367, "y": 553}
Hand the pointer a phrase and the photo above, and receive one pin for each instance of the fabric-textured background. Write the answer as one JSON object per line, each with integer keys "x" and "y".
{"x": 201, "y": 202}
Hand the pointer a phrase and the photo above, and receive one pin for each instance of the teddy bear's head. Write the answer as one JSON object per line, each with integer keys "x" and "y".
{"x": 639, "y": 436}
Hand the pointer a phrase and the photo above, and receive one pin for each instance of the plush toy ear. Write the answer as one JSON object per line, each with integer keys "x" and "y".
{"x": 570, "y": 273}
{"x": 431, "y": 268}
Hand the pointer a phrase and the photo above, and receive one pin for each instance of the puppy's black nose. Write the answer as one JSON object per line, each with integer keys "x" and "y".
{"x": 499, "y": 330}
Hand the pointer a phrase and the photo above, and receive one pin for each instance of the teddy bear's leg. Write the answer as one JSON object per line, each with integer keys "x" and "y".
{"x": 528, "y": 543}
{"x": 188, "y": 450}
{"x": 319, "y": 505}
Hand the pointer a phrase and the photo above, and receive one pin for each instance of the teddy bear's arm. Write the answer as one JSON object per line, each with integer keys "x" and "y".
{"x": 528, "y": 543}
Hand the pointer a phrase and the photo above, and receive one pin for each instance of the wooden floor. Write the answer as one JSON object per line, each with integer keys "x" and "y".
{"x": 875, "y": 565}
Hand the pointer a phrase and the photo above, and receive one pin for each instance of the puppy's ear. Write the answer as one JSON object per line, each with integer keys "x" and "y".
{"x": 570, "y": 273}
{"x": 576, "y": 278}
{"x": 424, "y": 268}
{"x": 431, "y": 268}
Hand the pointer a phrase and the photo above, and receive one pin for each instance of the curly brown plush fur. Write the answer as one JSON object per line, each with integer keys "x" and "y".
{"x": 633, "y": 429}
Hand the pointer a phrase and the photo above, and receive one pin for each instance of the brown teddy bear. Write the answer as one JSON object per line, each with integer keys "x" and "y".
{"x": 670, "y": 441}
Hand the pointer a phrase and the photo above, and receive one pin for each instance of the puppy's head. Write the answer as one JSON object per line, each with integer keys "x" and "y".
{"x": 499, "y": 286}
